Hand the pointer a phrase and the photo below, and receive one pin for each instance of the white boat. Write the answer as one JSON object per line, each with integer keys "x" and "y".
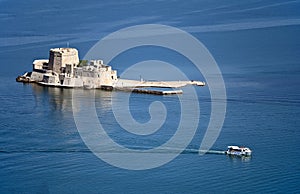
{"x": 238, "y": 151}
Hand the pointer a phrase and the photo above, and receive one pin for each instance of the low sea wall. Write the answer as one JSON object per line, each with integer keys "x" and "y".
{"x": 125, "y": 83}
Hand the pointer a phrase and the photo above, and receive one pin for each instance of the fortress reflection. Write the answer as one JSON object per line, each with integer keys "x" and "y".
{"x": 60, "y": 99}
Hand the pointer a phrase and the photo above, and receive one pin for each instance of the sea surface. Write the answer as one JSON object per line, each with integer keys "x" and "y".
{"x": 256, "y": 45}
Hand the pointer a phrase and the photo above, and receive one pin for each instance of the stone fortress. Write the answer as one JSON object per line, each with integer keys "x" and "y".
{"x": 64, "y": 69}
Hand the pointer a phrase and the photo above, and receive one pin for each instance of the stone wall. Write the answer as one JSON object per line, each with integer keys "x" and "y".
{"x": 59, "y": 57}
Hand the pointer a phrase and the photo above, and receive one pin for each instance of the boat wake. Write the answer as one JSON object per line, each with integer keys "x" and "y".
{"x": 143, "y": 149}
{"x": 212, "y": 152}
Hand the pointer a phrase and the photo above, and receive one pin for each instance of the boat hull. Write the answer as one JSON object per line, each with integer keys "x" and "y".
{"x": 235, "y": 153}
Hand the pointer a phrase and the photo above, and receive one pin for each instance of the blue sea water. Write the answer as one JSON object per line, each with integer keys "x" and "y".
{"x": 257, "y": 47}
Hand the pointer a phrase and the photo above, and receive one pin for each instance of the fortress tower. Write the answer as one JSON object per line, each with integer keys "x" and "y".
{"x": 59, "y": 57}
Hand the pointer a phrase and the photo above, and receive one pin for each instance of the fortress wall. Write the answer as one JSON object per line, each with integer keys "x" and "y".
{"x": 59, "y": 57}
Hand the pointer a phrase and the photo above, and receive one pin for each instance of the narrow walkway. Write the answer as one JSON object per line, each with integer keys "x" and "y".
{"x": 125, "y": 83}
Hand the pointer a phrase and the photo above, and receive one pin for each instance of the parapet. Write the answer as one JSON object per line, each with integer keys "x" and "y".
{"x": 64, "y": 50}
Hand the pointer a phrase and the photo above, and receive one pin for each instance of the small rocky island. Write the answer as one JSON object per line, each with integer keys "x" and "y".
{"x": 64, "y": 69}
